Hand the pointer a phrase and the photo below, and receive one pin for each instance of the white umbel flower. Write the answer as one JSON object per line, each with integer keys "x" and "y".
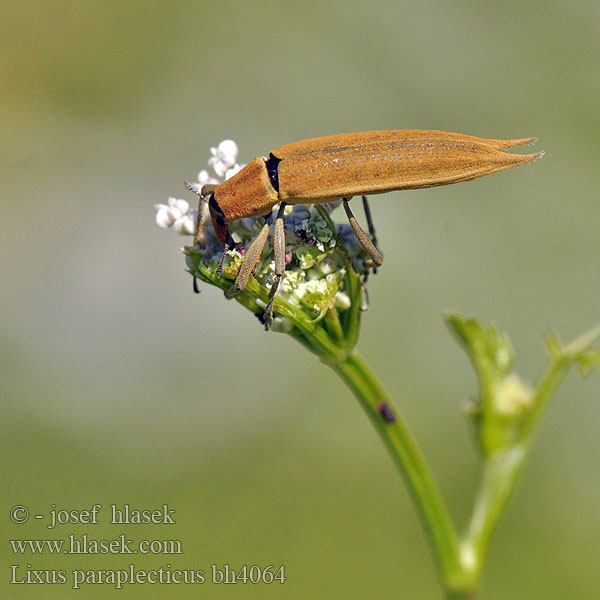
{"x": 176, "y": 214}
{"x": 185, "y": 225}
{"x": 169, "y": 214}
{"x": 223, "y": 157}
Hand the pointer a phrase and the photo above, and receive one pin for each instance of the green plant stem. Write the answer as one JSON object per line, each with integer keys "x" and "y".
{"x": 460, "y": 561}
{"x": 461, "y": 595}
{"x": 411, "y": 464}
{"x": 501, "y": 472}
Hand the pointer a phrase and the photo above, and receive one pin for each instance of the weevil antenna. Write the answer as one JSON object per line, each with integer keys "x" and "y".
{"x": 191, "y": 188}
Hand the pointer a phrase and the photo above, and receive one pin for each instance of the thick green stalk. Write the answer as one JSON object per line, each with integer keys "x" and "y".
{"x": 411, "y": 464}
{"x": 461, "y": 595}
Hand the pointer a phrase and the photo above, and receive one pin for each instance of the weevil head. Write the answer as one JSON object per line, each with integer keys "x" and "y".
{"x": 248, "y": 193}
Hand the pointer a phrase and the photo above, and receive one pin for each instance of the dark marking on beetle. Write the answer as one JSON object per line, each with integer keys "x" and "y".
{"x": 214, "y": 205}
{"x": 272, "y": 168}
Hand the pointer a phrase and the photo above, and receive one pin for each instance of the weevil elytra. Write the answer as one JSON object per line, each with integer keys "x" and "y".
{"x": 342, "y": 166}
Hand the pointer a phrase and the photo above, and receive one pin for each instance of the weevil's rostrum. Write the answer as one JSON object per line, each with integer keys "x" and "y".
{"x": 325, "y": 169}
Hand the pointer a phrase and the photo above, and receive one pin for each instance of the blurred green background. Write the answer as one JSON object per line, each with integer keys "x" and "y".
{"x": 121, "y": 386}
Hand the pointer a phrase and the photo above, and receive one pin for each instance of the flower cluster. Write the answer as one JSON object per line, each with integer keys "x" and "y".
{"x": 177, "y": 212}
{"x": 325, "y": 263}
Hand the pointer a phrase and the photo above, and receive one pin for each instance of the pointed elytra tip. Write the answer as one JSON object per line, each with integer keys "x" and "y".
{"x": 515, "y": 160}
{"x": 505, "y": 144}
{"x": 533, "y": 157}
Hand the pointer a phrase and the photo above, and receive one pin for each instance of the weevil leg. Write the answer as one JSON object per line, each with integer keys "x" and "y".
{"x": 251, "y": 258}
{"x": 369, "y": 220}
{"x": 373, "y": 239}
{"x": 364, "y": 307}
{"x": 363, "y": 238}
{"x": 229, "y": 243}
{"x": 279, "y": 251}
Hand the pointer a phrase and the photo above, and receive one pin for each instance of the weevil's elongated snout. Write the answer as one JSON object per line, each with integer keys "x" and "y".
{"x": 219, "y": 221}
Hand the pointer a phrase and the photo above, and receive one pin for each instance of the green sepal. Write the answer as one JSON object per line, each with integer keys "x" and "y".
{"x": 579, "y": 351}
{"x": 503, "y": 398}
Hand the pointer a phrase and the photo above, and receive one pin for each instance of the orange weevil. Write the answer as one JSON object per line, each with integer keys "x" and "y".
{"x": 342, "y": 166}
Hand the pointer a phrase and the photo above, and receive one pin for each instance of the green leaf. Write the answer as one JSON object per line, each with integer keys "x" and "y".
{"x": 490, "y": 351}
{"x": 588, "y": 361}
{"x": 503, "y": 397}
{"x": 579, "y": 351}
{"x": 554, "y": 346}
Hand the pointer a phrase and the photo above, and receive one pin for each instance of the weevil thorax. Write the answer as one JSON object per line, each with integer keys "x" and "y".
{"x": 248, "y": 193}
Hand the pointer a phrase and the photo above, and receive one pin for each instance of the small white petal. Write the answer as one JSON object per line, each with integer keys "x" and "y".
{"x": 328, "y": 265}
{"x": 182, "y": 206}
{"x": 184, "y": 226}
{"x": 204, "y": 178}
{"x": 231, "y": 172}
{"x": 342, "y": 301}
{"x": 282, "y": 325}
{"x": 223, "y": 157}
{"x": 173, "y": 213}
{"x": 163, "y": 218}
{"x": 228, "y": 150}
{"x": 219, "y": 167}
